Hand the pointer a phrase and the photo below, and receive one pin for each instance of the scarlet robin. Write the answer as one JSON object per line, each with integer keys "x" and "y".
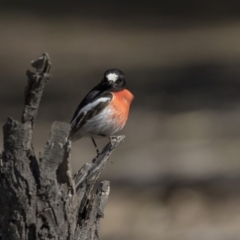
{"x": 104, "y": 110}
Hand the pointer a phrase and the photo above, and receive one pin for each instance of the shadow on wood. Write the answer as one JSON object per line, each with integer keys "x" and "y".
{"x": 40, "y": 199}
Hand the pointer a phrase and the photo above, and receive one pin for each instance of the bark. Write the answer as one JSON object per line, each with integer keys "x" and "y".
{"x": 39, "y": 198}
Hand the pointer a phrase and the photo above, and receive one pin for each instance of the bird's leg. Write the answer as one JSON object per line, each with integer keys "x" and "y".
{"x": 95, "y": 145}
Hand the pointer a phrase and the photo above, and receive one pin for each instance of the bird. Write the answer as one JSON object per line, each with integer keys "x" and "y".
{"x": 104, "y": 110}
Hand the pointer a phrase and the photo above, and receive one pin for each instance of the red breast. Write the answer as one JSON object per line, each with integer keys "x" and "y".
{"x": 121, "y": 104}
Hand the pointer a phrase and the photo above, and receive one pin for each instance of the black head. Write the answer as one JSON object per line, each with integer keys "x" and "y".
{"x": 115, "y": 79}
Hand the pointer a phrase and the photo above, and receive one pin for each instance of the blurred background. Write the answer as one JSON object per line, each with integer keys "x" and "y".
{"x": 176, "y": 176}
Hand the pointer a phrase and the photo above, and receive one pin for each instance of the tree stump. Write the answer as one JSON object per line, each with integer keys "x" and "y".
{"x": 39, "y": 198}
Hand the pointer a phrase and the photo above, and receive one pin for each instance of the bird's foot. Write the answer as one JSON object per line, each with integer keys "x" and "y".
{"x": 112, "y": 138}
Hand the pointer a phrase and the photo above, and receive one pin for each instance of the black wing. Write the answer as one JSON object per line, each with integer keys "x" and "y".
{"x": 90, "y": 97}
{"x": 79, "y": 120}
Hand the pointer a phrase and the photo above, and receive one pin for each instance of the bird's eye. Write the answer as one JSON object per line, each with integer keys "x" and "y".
{"x": 120, "y": 80}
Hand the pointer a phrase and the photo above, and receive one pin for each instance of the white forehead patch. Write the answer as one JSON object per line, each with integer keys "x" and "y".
{"x": 112, "y": 77}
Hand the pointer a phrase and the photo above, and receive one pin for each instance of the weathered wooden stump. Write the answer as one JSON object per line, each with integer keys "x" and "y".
{"x": 39, "y": 198}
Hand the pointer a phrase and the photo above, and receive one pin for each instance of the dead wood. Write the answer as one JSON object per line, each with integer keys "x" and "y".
{"x": 39, "y": 198}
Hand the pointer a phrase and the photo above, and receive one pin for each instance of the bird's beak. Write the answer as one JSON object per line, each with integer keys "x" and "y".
{"x": 107, "y": 84}
{"x": 111, "y": 82}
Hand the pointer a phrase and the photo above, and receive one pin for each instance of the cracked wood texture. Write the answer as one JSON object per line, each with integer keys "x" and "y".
{"x": 39, "y": 198}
